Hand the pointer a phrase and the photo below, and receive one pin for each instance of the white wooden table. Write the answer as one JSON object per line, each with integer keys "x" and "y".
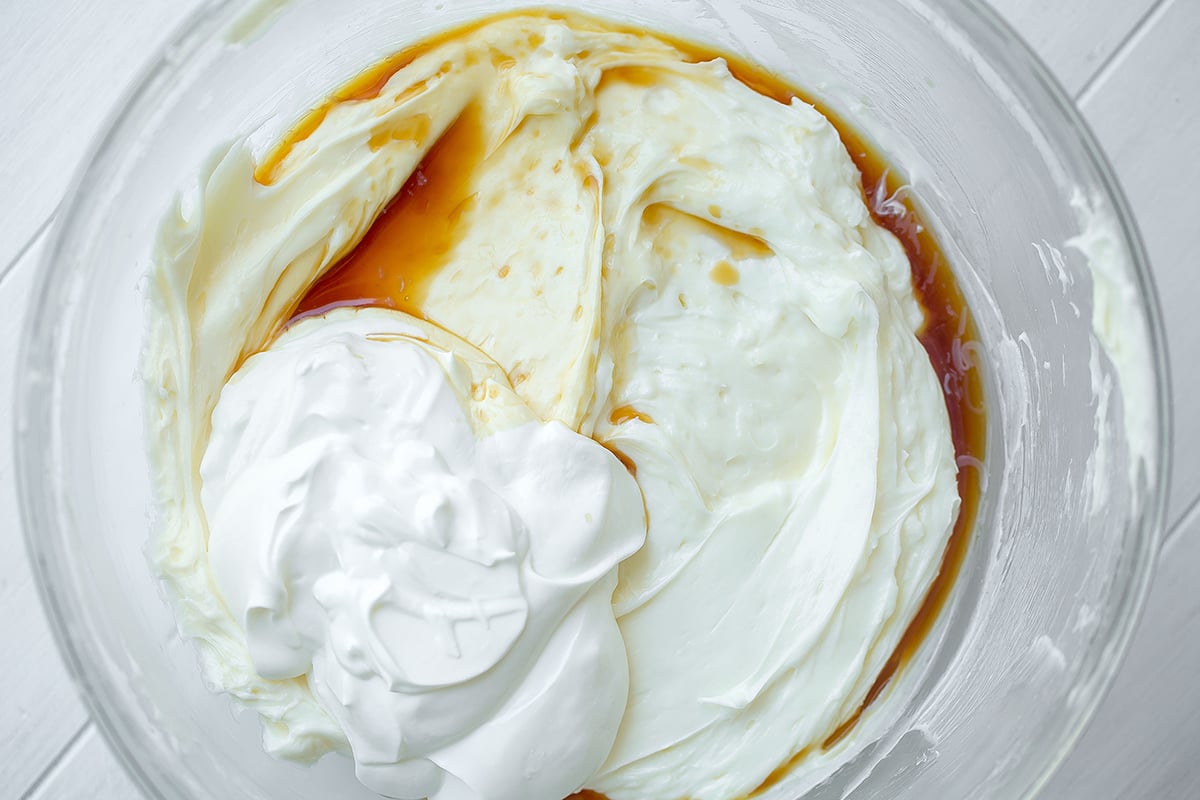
{"x": 1134, "y": 68}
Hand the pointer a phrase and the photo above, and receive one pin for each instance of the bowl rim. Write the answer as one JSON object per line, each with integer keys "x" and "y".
{"x": 34, "y": 407}
{"x": 1150, "y": 533}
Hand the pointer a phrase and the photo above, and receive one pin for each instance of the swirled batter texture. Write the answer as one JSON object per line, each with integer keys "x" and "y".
{"x": 650, "y": 256}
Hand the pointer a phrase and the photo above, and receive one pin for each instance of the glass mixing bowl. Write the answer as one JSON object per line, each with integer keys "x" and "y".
{"x": 1005, "y": 170}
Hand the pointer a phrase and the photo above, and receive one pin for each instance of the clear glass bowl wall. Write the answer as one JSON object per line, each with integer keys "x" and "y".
{"x": 1063, "y": 548}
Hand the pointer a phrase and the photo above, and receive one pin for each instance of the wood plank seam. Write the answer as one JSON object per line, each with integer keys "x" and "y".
{"x": 7, "y": 269}
{"x": 59, "y": 758}
{"x": 1127, "y": 43}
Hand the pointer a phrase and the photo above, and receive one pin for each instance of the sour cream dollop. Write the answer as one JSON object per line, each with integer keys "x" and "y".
{"x": 389, "y": 519}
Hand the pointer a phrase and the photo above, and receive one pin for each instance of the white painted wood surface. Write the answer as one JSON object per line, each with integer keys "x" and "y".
{"x": 1132, "y": 64}
{"x": 64, "y": 66}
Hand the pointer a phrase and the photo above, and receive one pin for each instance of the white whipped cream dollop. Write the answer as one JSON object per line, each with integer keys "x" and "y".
{"x": 655, "y": 256}
{"x": 388, "y": 518}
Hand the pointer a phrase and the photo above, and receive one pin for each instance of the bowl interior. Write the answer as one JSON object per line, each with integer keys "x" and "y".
{"x": 995, "y": 155}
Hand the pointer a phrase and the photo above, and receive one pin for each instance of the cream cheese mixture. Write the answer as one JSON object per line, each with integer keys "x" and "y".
{"x": 405, "y": 534}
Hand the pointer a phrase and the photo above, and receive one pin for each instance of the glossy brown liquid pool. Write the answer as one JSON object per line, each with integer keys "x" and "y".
{"x": 417, "y": 230}
{"x": 411, "y": 240}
